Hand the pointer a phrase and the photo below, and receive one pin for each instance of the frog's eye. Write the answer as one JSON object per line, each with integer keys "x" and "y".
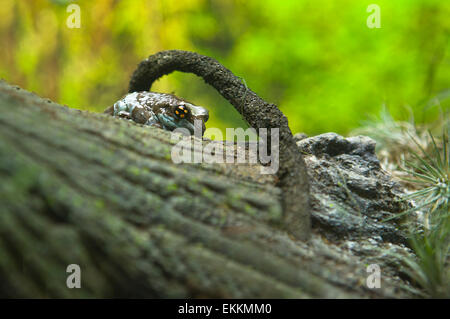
{"x": 181, "y": 112}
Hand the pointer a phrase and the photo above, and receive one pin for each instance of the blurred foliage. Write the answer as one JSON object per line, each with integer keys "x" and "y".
{"x": 317, "y": 60}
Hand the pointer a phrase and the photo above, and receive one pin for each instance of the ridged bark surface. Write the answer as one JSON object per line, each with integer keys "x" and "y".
{"x": 103, "y": 193}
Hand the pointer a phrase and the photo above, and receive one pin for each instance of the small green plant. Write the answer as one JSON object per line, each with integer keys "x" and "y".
{"x": 431, "y": 268}
{"x": 431, "y": 171}
{"x": 393, "y": 137}
{"x": 397, "y": 140}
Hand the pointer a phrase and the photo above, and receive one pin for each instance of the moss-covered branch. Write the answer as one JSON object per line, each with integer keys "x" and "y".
{"x": 293, "y": 179}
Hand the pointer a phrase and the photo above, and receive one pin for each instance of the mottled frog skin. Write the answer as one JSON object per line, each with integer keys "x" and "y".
{"x": 162, "y": 110}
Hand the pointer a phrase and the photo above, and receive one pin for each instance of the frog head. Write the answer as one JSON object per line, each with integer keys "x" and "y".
{"x": 162, "y": 110}
{"x": 182, "y": 114}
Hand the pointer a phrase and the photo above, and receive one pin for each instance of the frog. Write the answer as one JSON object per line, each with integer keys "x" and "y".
{"x": 162, "y": 110}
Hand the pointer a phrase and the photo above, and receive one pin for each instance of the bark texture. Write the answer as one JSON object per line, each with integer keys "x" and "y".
{"x": 103, "y": 193}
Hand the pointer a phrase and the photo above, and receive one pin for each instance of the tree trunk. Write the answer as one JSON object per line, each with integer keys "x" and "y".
{"x": 102, "y": 193}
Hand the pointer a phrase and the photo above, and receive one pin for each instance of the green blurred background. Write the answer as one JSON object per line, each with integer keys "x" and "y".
{"x": 317, "y": 60}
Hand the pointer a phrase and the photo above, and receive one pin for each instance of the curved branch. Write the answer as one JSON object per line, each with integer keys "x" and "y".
{"x": 292, "y": 175}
